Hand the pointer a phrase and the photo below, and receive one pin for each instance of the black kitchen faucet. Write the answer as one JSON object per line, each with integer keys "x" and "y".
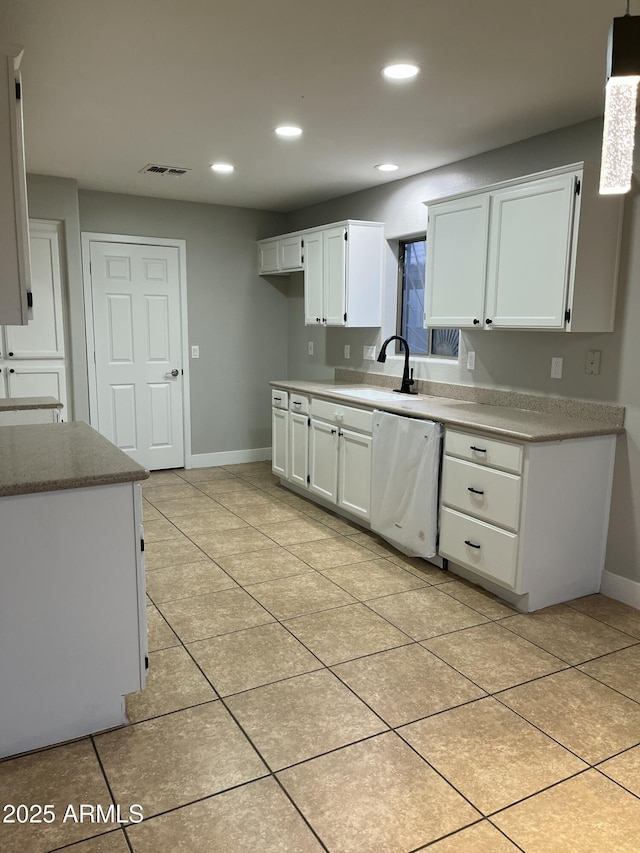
{"x": 407, "y": 380}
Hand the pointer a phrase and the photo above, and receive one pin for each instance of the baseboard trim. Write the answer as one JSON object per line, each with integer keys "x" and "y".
{"x": 229, "y": 457}
{"x": 622, "y": 589}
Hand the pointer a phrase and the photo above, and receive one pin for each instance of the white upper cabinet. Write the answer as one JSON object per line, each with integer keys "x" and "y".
{"x": 14, "y": 227}
{"x": 343, "y": 270}
{"x": 537, "y": 253}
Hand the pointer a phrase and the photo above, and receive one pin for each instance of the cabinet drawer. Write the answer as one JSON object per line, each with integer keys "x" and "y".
{"x": 479, "y": 546}
{"x": 481, "y": 491}
{"x": 298, "y": 403}
{"x": 279, "y": 399}
{"x": 341, "y": 415}
{"x": 484, "y": 451}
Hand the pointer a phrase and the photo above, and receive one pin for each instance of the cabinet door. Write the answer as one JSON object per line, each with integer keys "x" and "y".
{"x": 456, "y": 263}
{"x": 335, "y": 306}
{"x": 323, "y": 460}
{"x": 279, "y": 442}
{"x": 313, "y": 285}
{"x": 43, "y": 337}
{"x": 38, "y": 379}
{"x": 354, "y": 479}
{"x": 298, "y": 448}
{"x": 530, "y": 254}
{"x": 268, "y": 257}
{"x": 290, "y": 253}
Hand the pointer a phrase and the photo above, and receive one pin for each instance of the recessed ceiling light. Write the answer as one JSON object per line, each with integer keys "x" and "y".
{"x": 387, "y": 167}
{"x": 289, "y": 130}
{"x": 400, "y": 71}
{"x": 223, "y": 168}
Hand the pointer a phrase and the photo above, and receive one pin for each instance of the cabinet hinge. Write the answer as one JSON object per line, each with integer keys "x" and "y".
{"x": 142, "y": 544}
{"x": 345, "y": 316}
{"x": 302, "y": 244}
{"x": 18, "y": 91}
{"x": 309, "y": 421}
{"x": 345, "y": 234}
{"x": 146, "y": 661}
{"x": 308, "y": 479}
{"x": 567, "y": 315}
{"x": 29, "y": 299}
{"x": 577, "y": 186}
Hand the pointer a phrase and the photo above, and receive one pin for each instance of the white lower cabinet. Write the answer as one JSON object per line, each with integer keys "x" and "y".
{"x": 354, "y": 472}
{"x": 323, "y": 460}
{"x": 528, "y": 518}
{"x": 299, "y": 448}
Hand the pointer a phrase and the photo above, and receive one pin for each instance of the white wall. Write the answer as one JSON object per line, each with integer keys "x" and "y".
{"x": 511, "y": 360}
{"x": 239, "y": 323}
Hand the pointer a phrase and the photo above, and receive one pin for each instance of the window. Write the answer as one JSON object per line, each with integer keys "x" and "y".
{"x": 437, "y": 342}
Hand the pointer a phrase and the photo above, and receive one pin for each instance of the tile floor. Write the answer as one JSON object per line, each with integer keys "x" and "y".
{"x": 311, "y": 689}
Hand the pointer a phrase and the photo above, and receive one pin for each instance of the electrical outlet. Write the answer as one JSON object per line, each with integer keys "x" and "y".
{"x": 471, "y": 360}
{"x": 347, "y": 351}
{"x": 593, "y": 361}
{"x": 310, "y": 348}
{"x": 195, "y": 352}
{"x": 369, "y": 353}
{"x": 556, "y": 368}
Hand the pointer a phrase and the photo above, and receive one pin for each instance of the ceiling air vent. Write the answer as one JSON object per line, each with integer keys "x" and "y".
{"x": 154, "y": 169}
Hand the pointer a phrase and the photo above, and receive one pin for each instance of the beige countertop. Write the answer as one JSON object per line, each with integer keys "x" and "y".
{"x": 18, "y": 404}
{"x": 51, "y": 457}
{"x": 514, "y": 423}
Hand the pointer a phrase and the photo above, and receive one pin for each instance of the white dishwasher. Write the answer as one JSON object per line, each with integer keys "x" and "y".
{"x": 404, "y": 482}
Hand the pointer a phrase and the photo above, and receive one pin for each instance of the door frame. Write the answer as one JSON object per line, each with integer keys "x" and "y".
{"x": 88, "y": 237}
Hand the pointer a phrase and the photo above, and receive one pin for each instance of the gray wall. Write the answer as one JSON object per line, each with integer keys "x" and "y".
{"x": 57, "y": 198}
{"x": 238, "y": 319}
{"x": 511, "y": 360}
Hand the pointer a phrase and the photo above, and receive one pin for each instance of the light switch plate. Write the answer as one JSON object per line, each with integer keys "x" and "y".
{"x": 347, "y": 351}
{"x": 310, "y": 348}
{"x": 556, "y": 368}
{"x": 471, "y": 360}
{"x": 369, "y": 353}
{"x": 195, "y": 351}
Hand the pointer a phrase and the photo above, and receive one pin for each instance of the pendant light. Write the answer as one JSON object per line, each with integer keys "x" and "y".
{"x": 623, "y": 77}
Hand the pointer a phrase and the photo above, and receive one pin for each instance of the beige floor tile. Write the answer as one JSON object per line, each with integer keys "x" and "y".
{"x": 226, "y": 486}
{"x": 294, "y": 532}
{"x": 171, "y": 552}
{"x": 588, "y": 814}
{"x": 620, "y": 670}
{"x": 373, "y": 543}
{"x": 210, "y": 615}
{"x": 209, "y": 522}
{"x": 187, "y": 581}
{"x": 373, "y": 579}
{"x": 493, "y": 657}
{"x": 174, "y": 682}
{"x": 150, "y": 513}
{"x": 328, "y": 553}
{"x": 200, "y": 475}
{"x": 113, "y": 842}
{"x": 624, "y": 769}
{"x": 232, "y": 542}
{"x": 479, "y": 599}
{"x": 173, "y": 760}
{"x": 159, "y": 634}
{"x": 335, "y": 522}
{"x": 285, "y": 495}
{"x": 423, "y": 569}
{"x": 299, "y": 595}
{"x": 404, "y": 684}
{"x": 426, "y": 612}
{"x": 252, "y": 658}
{"x": 570, "y": 635}
{"x": 257, "y": 566}
{"x": 259, "y": 516}
{"x": 251, "y": 497}
{"x": 293, "y": 720}
{"x": 260, "y": 481}
{"x": 346, "y": 633}
{"x": 587, "y": 717}
{"x": 376, "y": 796}
{"x": 159, "y": 530}
{"x": 489, "y": 754}
{"x": 481, "y": 838}
{"x": 65, "y": 775}
{"x": 614, "y": 613}
{"x": 179, "y": 491}
{"x": 259, "y": 467}
{"x": 164, "y": 478}
{"x": 255, "y": 817}
{"x": 174, "y": 509}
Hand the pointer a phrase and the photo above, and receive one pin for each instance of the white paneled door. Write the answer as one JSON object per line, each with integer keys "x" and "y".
{"x": 138, "y": 350}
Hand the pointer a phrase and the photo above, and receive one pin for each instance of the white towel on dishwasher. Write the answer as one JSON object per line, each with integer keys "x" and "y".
{"x": 404, "y": 482}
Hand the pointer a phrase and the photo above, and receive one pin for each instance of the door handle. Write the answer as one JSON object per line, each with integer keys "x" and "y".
{"x": 174, "y": 372}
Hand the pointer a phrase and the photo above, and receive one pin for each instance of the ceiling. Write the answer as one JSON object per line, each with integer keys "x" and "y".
{"x": 112, "y": 86}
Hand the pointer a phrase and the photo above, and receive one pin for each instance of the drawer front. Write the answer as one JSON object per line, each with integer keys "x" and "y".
{"x": 484, "y": 451}
{"x": 298, "y": 403}
{"x": 279, "y": 399}
{"x": 336, "y": 413}
{"x": 484, "y": 492}
{"x": 479, "y": 546}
